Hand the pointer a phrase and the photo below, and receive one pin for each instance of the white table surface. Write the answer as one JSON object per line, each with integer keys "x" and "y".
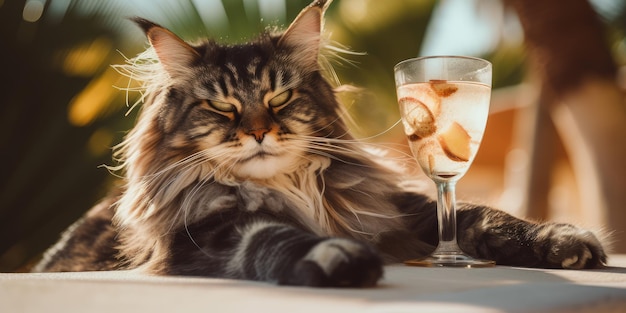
{"x": 404, "y": 289}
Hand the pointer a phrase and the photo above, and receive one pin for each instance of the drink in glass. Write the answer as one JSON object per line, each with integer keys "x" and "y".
{"x": 444, "y": 104}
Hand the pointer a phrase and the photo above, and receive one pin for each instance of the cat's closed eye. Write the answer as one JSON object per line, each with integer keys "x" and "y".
{"x": 220, "y": 106}
{"x": 280, "y": 99}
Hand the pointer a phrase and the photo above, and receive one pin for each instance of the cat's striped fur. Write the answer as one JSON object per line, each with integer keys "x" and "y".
{"x": 241, "y": 166}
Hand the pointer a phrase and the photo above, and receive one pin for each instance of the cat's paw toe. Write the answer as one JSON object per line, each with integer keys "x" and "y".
{"x": 339, "y": 262}
{"x": 574, "y": 248}
{"x": 578, "y": 261}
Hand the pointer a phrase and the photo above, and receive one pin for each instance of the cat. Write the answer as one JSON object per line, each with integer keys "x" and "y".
{"x": 241, "y": 166}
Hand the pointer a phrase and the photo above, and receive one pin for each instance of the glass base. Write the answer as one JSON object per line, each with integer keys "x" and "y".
{"x": 450, "y": 260}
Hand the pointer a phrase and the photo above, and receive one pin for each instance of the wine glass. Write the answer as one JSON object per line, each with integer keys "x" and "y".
{"x": 444, "y": 103}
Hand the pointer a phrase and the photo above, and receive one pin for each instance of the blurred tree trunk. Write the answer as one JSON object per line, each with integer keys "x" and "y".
{"x": 579, "y": 94}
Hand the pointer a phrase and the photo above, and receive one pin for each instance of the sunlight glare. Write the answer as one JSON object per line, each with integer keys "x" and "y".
{"x": 212, "y": 13}
{"x": 273, "y": 10}
{"x": 93, "y": 100}
{"x": 33, "y": 10}
{"x": 85, "y": 59}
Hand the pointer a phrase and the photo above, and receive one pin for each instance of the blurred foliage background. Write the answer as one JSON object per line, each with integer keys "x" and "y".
{"x": 61, "y": 111}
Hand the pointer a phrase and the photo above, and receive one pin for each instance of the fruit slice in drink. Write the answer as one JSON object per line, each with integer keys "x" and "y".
{"x": 455, "y": 142}
{"x": 442, "y": 88}
{"x": 419, "y": 122}
{"x": 421, "y": 106}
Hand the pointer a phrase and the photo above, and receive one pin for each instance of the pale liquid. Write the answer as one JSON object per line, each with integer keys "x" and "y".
{"x": 467, "y": 106}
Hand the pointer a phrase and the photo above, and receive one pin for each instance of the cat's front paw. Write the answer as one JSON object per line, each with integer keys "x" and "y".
{"x": 338, "y": 262}
{"x": 570, "y": 247}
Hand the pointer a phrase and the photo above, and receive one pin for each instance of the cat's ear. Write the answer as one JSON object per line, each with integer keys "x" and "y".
{"x": 175, "y": 55}
{"x": 304, "y": 33}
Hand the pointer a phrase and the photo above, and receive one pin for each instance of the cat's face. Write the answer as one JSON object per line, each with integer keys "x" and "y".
{"x": 252, "y": 110}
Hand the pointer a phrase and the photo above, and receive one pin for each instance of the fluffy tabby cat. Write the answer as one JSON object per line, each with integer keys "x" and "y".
{"x": 240, "y": 166}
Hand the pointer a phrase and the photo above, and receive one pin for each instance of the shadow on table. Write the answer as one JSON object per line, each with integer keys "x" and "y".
{"x": 608, "y": 269}
{"x": 506, "y": 289}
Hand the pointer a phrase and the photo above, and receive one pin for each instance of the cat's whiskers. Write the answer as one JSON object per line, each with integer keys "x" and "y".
{"x": 186, "y": 206}
{"x": 188, "y": 161}
{"x": 340, "y": 140}
{"x": 340, "y": 144}
{"x": 326, "y": 150}
{"x": 337, "y": 119}
{"x": 223, "y": 170}
{"x": 336, "y": 147}
{"x": 175, "y": 170}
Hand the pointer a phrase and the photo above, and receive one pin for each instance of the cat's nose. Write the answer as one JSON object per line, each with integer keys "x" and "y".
{"x": 258, "y": 133}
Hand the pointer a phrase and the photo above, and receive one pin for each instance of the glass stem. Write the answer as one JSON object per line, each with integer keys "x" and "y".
{"x": 446, "y": 214}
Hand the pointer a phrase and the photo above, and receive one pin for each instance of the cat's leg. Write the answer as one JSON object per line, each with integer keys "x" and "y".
{"x": 488, "y": 233}
{"x": 261, "y": 247}
{"x": 491, "y": 234}
{"x": 88, "y": 245}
